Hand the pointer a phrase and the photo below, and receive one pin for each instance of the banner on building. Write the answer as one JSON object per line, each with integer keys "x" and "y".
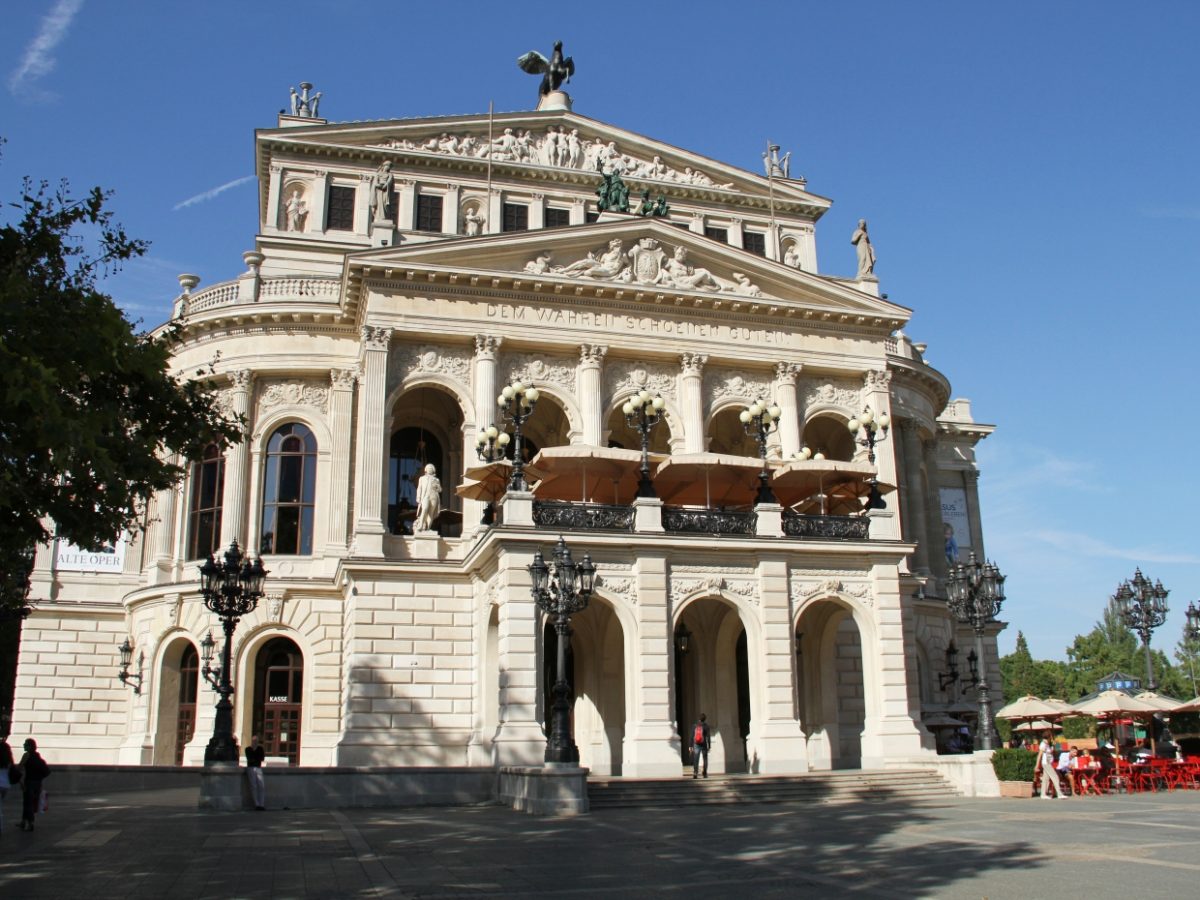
{"x": 954, "y": 514}
{"x": 111, "y": 560}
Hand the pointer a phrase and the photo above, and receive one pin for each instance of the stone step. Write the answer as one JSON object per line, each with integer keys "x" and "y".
{"x": 911, "y": 786}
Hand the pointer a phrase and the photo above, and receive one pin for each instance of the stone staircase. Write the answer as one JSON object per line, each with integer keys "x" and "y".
{"x": 908, "y": 786}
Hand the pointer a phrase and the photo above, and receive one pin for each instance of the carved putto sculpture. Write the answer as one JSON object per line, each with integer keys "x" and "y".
{"x": 554, "y": 71}
{"x": 866, "y": 253}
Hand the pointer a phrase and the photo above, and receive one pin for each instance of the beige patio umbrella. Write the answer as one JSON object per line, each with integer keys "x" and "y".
{"x": 1159, "y": 701}
{"x": 708, "y": 479}
{"x": 1192, "y": 705}
{"x": 1038, "y": 725}
{"x": 1109, "y": 703}
{"x": 588, "y": 473}
{"x": 809, "y": 483}
{"x": 487, "y": 483}
{"x": 1031, "y": 710}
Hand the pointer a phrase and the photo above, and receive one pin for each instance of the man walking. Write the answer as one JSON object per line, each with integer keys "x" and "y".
{"x": 1049, "y": 773}
{"x": 701, "y": 742}
{"x": 255, "y": 754}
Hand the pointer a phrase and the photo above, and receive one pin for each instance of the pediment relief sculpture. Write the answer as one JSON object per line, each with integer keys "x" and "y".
{"x": 558, "y": 147}
{"x": 293, "y": 393}
{"x": 647, "y": 263}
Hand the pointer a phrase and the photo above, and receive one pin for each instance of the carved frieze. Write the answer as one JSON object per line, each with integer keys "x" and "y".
{"x": 273, "y": 606}
{"x": 558, "y": 147}
{"x": 425, "y": 359}
{"x": 293, "y": 393}
{"x": 541, "y": 370}
{"x": 722, "y": 385}
{"x": 830, "y": 393}
{"x": 627, "y": 378}
{"x": 809, "y": 584}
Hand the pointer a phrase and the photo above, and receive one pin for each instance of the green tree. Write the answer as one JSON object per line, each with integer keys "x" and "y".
{"x": 1022, "y": 674}
{"x": 89, "y": 410}
{"x": 1111, "y": 646}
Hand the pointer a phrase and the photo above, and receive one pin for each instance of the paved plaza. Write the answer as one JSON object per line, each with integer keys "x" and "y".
{"x": 158, "y": 844}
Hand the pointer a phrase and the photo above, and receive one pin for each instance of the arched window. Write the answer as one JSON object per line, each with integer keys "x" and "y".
{"x": 278, "y": 698}
{"x": 204, "y": 514}
{"x": 411, "y": 450}
{"x": 189, "y": 681}
{"x": 289, "y": 488}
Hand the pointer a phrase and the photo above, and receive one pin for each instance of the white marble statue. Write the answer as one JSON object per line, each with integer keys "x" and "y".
{"x": 473, "y": 221}
{"x": 382, "y": 183}
{"x": 296, "y": 210}
{"x": 607, "y": 265}
{"x": 682, "y": 275}
{"x": 866, "y": 253}
{"x": 429, "y": 500}
{"x": 540, "y": 265}
{"x": 791, "y": 256}
{"x": 745, "y": 287}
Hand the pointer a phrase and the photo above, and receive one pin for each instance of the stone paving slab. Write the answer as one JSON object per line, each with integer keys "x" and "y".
{"x": 156, "y": 844}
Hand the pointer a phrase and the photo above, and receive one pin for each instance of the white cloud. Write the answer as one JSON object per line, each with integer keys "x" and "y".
{"x": 38, "y": 60}
{"x": 1085, "y": 545}
{"x": 208, "y": 195}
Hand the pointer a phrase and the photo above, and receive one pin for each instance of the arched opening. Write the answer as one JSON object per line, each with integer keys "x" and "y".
{"x": 829, "y": 435}
{"x": 289, "y": 491}
{"x": 831, "y": 685}
{"x": 426, "y": 430}
{"x": 712, "y": 676}
{"x": 178, "y": 691}
{"x": 547, "y": 427}
{"x": 621, "y": 435}
{"x": 596, "y": 675}
{"x": 278, "y": 698}
{"x": 726, "y": 434}
{"x": 204, "y": 510}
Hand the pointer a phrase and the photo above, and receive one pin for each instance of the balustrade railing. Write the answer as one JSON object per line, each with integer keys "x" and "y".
{"x": 274, "y": 289}
{"x": 582, "y": 516}
{"x": 708, "y": 521}
{"x": 834, "y": 528}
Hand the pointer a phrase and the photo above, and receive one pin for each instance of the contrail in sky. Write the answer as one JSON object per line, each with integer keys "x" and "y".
{"x": 208, "y": 195}
{"x": 38, "y": 60}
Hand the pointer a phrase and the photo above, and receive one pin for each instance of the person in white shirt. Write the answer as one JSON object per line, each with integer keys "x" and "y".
{"x": 1049, "y": 773}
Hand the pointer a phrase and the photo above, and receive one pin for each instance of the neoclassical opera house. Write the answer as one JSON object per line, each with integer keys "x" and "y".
{"x": 404, "y": 273}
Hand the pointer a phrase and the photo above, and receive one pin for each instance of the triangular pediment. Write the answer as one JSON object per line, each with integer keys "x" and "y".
{"x": 627, "y": 256}
{"x": 551, "y": 145}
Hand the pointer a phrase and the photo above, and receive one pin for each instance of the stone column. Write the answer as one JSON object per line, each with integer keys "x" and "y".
{"x": 484, "y": 380}
{"x": 578, "y": 212}
{"x": 885, "y": 523}
{"x": 317, "y": 203}
{"x": 451, "y": 204}
{"x": 495, "y": 213}
{"x": 913, "y": 497}
{"x": 691, "y": 401}
{"x": 889, "y": 732}
{"x": 372, "y": 442}
{"x": 235, "y": 501}
{"x": 341, "y": 421}
{"x": 519, "y": 739}
{"x": 364, "y": 201}
{"x": 735, "y": 233}
{"x": 789, "y": 407}
{"x": 651, "y": 744}
{"x": 537, "y": 212}
{"x": 590, "y": 358}
{"x": 276, "y": 219}
{"x": 776, "y": 738}
{"x": 406, "y": 204}
{"x": 971, "y": 483}
{"x": 933, "y": 506}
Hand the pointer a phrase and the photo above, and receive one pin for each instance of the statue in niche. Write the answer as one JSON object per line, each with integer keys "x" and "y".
{"x": 791, "y": 256}
{"x": 429, "y": 500}
{"x": 866, "y": 253}
{"x": 296, "y": 209}
{"x": 473, "y": 221}
{"x": 382, "y": 182}
{"x": 554, "y": 71}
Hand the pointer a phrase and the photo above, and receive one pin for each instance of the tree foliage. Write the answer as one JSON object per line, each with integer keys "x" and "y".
{"x": 89, "y": 410}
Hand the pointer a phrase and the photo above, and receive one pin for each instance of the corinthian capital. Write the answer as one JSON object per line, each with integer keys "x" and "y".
{"x": 375, "y": 337}
{"x": 241, "y": 379}
{"x": 788, "y": 371}
{"x": 592, "y": 353}
{"x": 692, "y": 363}
{"x": 487, "y": 345}
{"x": 877, "y": 379}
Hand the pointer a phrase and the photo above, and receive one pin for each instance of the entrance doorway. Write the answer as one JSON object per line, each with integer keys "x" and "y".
{"x": 189, "y": 680}
{"x": 278, "y": 698}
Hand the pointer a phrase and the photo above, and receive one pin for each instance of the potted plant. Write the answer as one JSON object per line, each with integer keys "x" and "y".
{"x": 1014, "y": 770}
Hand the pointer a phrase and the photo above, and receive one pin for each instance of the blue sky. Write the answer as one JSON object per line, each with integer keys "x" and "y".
{"x": 1028, "y": 170}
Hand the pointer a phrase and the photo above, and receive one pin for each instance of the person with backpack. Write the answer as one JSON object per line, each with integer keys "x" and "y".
{"x": 33, "y": 772}
{"x": 701, "y": 742}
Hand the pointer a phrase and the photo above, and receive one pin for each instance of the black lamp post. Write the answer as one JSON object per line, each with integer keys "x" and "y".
{"x": 1143, "y": 607}
{"x": 561, "y": 592}
{"x": 491, "y": 445}
{"x": 231, "y": 589}
{"x": 868, "y": 430}
{"x": 125, "y": 676}
{"x": 516, "y": 403}
{"x": 976, "y": 592}
{"x": 1191, "y": 630}
{"x": 642, "y": 413}
{"x": 759, "y": 420}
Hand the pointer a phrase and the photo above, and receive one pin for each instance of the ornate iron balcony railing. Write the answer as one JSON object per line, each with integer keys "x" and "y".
{"x": 582, "y": 516}
{"x": 833, "y": 528}
{"x": 708, "y": 521}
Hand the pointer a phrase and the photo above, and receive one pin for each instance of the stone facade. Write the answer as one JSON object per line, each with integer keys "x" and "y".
{"x": 360, "y": 348}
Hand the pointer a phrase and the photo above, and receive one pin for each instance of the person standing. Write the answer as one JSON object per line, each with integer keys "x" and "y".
{"x": 255, "y": 754}
{"x": 6, "y": 763}
{"x": 34, "y": 771}
{"x": 701, "y": 743}
{"x": 1049, "y": 773}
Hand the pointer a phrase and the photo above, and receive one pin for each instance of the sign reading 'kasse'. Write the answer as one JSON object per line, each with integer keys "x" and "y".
{"x": 70, "y": 558}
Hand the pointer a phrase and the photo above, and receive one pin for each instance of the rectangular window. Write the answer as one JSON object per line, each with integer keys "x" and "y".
{"x": 429, "y": 212}
{"x": 755, "y": 242}
{"x": 339, "y": 215}
{"x": 717, "y": 234}
{"x": 516, "y": 217}
{"x": 591, "y": 216}
{"x": 557, "y": 218}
